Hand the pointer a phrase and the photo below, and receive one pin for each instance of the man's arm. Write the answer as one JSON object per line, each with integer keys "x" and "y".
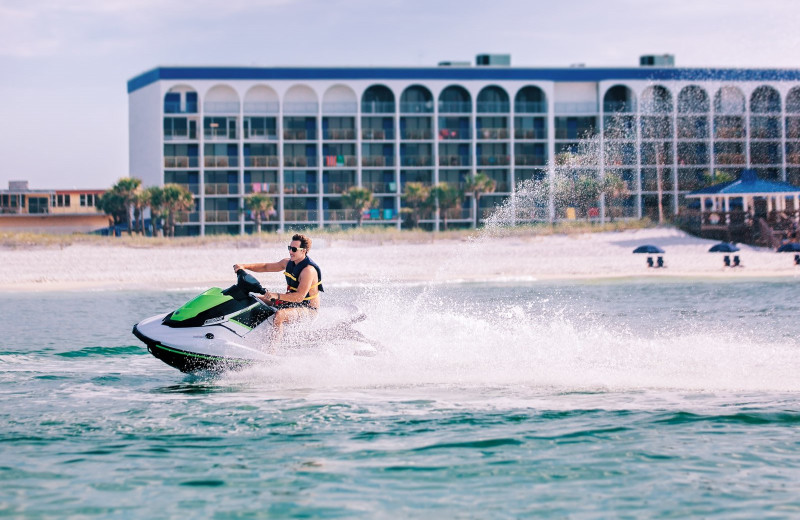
{"x": 269, "y": 267}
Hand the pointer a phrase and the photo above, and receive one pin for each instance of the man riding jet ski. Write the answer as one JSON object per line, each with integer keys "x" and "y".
{"x": 222, "y": 329}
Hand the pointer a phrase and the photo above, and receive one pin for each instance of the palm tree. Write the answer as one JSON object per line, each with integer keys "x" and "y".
{"x": 358, "y": 199}
{"x": 417, "y": 197}
{"x": 153, "y": 197}
{"x": 259, "y": 203}
{"x": 479, "y": 184}
{"x": 176, "y": 198}
{"x": 448, "y": 197}
{"x": 128, "y": 188}
{"x": 112, "y": 204}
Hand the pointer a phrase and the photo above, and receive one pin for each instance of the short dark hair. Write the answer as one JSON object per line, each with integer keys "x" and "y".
{"x": 305, "y": 242}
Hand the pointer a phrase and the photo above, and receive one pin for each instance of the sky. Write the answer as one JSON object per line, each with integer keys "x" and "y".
{"x": 65, "y": 63}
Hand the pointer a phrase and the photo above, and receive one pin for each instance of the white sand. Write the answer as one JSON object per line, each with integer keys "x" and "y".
{"x": 596, "y": 255}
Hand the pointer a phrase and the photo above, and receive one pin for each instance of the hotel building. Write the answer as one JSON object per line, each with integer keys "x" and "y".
{"x": 305, "y": 135}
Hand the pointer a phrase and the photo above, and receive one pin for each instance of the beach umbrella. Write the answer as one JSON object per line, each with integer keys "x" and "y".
{"x": 649, "y": 249}
{"x": 789, "y": 247}
{"x": 723, "y": 247}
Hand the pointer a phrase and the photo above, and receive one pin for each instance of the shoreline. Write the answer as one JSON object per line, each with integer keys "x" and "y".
{"x": 366, "y": 260}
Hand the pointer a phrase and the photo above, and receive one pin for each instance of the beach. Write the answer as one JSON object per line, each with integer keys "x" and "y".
{"x": 370, "y": 260}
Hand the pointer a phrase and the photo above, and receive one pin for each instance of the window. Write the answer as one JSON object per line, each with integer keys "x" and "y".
{"x": 88, "y": 200}
{"x": 60, "y": 200}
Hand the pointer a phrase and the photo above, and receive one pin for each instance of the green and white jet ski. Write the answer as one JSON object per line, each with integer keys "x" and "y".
{"x": 231, "y": 328}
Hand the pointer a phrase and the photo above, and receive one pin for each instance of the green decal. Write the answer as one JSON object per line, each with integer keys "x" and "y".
{"x": 207, "y": 300}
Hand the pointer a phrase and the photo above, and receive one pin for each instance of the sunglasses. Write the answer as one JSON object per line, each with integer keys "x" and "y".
{"x": 294, "y": 249}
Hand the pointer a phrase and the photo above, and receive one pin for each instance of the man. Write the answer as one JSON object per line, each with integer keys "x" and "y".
{"x": 303, "y": 285}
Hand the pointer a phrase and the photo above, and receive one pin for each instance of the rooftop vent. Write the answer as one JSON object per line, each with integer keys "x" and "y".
{"x": 493, "y": 60}
{"x": 17, "y": 185}
{"x": 657, "y": 60}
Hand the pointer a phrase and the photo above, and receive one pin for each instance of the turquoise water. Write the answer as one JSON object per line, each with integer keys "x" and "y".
{"x": 631, "y": 398}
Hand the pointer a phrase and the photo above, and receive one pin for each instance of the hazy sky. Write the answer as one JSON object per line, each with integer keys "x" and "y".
{"x": 65, "y": 63}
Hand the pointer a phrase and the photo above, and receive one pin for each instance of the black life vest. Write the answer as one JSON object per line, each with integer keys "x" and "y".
{"x": 292, "y": 274}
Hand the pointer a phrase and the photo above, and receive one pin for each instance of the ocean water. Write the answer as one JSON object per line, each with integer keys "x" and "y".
{"x": 581, "y": 399}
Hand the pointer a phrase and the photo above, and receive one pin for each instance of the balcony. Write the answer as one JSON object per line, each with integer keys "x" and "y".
{"x": 339, "y": 134}
{"x": 455, "y": 107}
{"x": 379, "y": 214}
{"x": 301, "y": 215}
{"x": 530, "y": 107}
{"x": 530, "y": 160}
{"x": 340, "y": 107}
{"x": 493, "y": 107}
{"x": 221, "y": 107}
{"x": 179, "y": 135}
{"x": 619, "y": 106}
{"x": 377, "y": 161}
{"x": 261, "y": 134}
{"x": 454, "y": 134}
{"x": 212, "y": 188}
{"x": 335, "y": 215}
{"x": 178, "y": 161}
{"x": 377, "y": 107}
{"x": 270, "y": 188}
{"x": 174, "y": 107}
{"x": 221, "y": 161}
{"x": 187, "y": 217}
{"x": 793, "y": 158}
{"x": 528, "y": 133}
{"x": 729, "y": 158}
{"x": 301, "y": 161}
{"x": 222, "y": 216}
{"x": 309, "y": 108}
{"x": 455, "y": 160}
{"x": 416, "y": 107}
{"x": 300, "y": 188}
{"x": 262, "y": 107}
{"x": 492, "y": 133}
{"x": 372, "y": 134}
{"x": 416, "y": 160}
{"x": 380, "y": 187}
{"x": 576, "y": 108}
{"x": 456, "y": 213}
{"x": 417, "y": 134}
{"x": 219, "y": 134}
{"x": 494, "y": 160}
{"x": 339, "y": 161}
{"x": 262, "y": 161}
{"x": 299, "y": 135}
{"x": 729, "y": 132}
{"x": 336, "y": 188}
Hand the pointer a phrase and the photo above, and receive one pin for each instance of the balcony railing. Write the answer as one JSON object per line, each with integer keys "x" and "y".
{"x": 336, "y": 187}
{"x": 339, "y": 134}
{"x": 454, "y": 160}
{"x": 527, "y": 133}
{"x": 301, "y": 215}
{"x": 530, "y": 160}
{"x": 187, "y": 217}
{"x": 221, "y": 107}
{"x": 492, "y": 133}
{"x": 176, "y": 135}
{"x": 619, "y": 106}
{"x": 260, "y": 133}
{"x": 339, "y": 107}
{"x": 729, "y": 158}
{"x": 493, "y": 160}
{"x": 263, "y": 161}
{"x": 339, "y": 161}
{"x": 493, "y": 107}
{"x": 174, "y": 107}
{"x": 417, "y": 134}
{"x": 271, "y": 188}
{"x": 380, "y": 187}
{"x": 452, "y": 133}
{"x": 221, "y": 161}
{"x": 793, "y": 158}
{"x": 217, "y": 188}
{"x": 293, "y": 107}
{"x": 179, "y": 161}
{"x": 456, "y": 213}
{"x": 222, "y": 216}
{"x": 379, "y": 214}
{"x": 372, "y": 134}
{"x": 335, "y": 215}
{"x": 576, "y": 108}
{"x": 300, "y": 188}
{"x": 416, "y": 160}
{"x": 299, "y": 162}
{"x": 416, "y": 107}
{"x": 734, "y": 132}
{"x": 377, "y": 107}
{"x": 455, "y": 107}
{"x": 377, "y": 160}
{"x": 299, "y": 135}
{"x": 530, "y": 107}
{"x": 261, "y": 107}
{"x": 218, "y": 134}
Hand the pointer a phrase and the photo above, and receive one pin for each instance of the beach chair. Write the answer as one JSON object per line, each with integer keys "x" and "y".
{"x": 660, "y": 261}
{"x": 736, "y": 262}
{"x": 727, "y": 260}
{"x": 649, "y": 261}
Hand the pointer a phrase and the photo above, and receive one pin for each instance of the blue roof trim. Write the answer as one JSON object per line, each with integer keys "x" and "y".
{"x": 458, "y": 74}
